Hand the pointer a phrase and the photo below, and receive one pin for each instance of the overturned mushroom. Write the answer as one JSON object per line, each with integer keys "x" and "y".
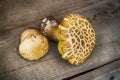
{"x": 33, "y": 44}
{"x": 76, "y": 37}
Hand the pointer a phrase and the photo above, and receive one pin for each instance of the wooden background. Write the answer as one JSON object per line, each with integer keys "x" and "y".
{"x": 18, "y": 15}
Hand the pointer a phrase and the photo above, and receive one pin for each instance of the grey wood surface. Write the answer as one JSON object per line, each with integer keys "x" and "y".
{"x": 18, "y": 15}
{"x": 108, "y": 72}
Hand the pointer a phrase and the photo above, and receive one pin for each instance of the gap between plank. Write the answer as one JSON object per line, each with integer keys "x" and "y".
{"x": 82, "y": 73}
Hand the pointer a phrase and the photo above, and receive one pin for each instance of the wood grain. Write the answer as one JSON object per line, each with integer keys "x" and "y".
{"x": 104, "y": 73}
{"x": 18, "y": 15}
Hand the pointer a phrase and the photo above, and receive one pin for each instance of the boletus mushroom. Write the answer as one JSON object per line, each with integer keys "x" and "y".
{"x": 76, "y": 38}
{"x": 33, "y": 45}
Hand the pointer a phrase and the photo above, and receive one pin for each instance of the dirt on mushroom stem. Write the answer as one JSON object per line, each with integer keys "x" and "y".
{"x": 49, "y": 27}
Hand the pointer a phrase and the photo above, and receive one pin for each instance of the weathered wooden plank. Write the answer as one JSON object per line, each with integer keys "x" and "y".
{"x": 103, "y": 73}
{"x": 20, "y": 12}
{"x": 12, "y": 64}
{"x": 17, "y": 12}
{"x": 17, "y": 15}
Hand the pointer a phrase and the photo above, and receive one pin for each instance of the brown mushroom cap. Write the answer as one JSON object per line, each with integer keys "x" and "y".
{"x": 33, "y": 45}
{"x": 76, "y": 38}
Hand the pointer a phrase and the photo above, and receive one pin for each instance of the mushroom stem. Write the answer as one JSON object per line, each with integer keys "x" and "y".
{"x": 49, "y": 28}
{"x": 54, "y": 34}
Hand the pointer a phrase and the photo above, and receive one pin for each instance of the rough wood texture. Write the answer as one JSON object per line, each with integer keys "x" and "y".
{"x": 18, "y": 15}
{"x": 108, "y": 72}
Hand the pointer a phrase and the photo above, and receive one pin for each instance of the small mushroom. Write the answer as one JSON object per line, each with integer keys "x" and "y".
{"x": 76, "y": 37}
{"x": 49, "y": 28}
{"x": 33, "y": 45}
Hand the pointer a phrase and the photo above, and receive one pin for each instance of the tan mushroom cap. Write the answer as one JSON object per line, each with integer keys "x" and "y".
{"x": 76, "y": 38}
{"x": 33, "y": 45}
{"x": 28, "y": 33}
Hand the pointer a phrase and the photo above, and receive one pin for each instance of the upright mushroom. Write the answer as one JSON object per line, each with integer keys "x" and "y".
{"x": 76, "y": 37}
{"x": 33, "y": 45}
